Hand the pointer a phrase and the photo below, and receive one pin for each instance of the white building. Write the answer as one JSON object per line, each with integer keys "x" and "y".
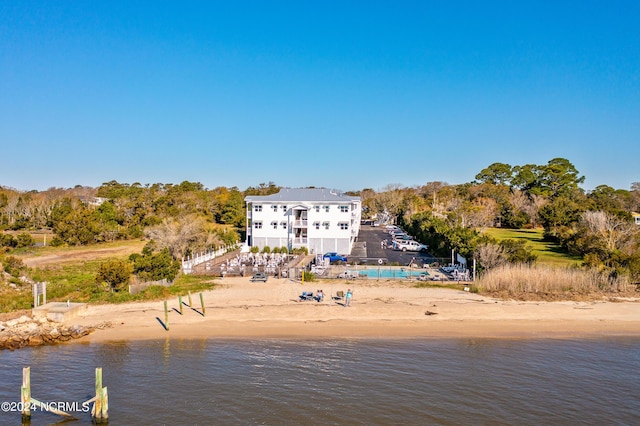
{"x": 319, "y": 219}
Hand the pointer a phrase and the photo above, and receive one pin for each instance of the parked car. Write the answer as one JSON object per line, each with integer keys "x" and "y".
{"x": 259, "y": 276}
{"x": 334, "y": 257}
{"x": 409, "y": 245}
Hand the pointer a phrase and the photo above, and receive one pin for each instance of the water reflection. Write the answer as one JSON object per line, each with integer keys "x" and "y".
{"x": 275, "y": 381}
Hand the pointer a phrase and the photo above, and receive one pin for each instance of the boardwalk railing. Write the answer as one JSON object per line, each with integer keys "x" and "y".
{"x": 190, "y": 262}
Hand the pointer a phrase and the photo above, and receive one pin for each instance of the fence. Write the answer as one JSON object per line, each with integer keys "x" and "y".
{"x": 136, "y": 288}
{"x": 190, "y": 262}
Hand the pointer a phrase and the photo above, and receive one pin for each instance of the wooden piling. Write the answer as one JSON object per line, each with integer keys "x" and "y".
{"x": 180, "y": 303}
{"x": 105, "y": 405}
{"x": 26, "y": 394}
{"x": 28, "y": 401}
{"x": 166, "y": 316}
{"x": 202, "y": 303}
{"x": 190, "y": 304}
{"x": 100, "y": 410}
{"x": 96, "y": 411}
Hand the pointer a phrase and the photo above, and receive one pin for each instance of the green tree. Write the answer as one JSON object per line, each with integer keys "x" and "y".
{"x": 496, "y": 174}
{"x": 115, "y": 273}
{"x": 560, "y": 177}
{"x": 517, "y": 251}
{"x": 79, "y": 227}
{"x": 24, "y": 240}
{"x": 155, "y": 266}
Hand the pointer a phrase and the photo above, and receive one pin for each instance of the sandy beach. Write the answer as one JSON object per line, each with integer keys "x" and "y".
{"x": 238, "y": 308}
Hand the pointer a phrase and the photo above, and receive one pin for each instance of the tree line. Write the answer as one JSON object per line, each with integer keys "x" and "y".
{"x": 596, "y": 225}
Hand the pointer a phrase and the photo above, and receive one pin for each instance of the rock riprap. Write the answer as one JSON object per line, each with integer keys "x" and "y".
{"x": 26, "y": 331}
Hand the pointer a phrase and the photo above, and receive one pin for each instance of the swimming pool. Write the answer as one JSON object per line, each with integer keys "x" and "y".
{"x": 386, "y": 272}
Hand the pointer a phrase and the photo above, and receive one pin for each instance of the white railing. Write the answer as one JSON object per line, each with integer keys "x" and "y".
{"x": 191, "y": 261}
{"x": 300, "y": 223}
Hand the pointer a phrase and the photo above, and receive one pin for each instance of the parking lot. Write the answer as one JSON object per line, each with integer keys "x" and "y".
{"x": 370, "y": 248}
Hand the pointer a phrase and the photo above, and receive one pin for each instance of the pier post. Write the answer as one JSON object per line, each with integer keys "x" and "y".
{"x": 180, "y": 303}
{"x": 190, "y": 304}
{"x": 166, "y": 315}
{"x": 100, "y": 410}
{"x": 26, "y": 394}
{"x": 202, "y": 304}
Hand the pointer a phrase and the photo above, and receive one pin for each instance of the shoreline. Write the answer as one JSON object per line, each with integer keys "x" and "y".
{"x": 239, "y": 309}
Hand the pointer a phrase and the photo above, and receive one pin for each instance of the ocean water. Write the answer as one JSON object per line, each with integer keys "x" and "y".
{"x": 336, "y": 382}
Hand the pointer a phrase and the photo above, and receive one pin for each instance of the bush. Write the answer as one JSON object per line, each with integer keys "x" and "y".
{"x": 13, "y": 265}
{"x": 7, "y": 240}
{"x": 56, "y": 242}
{"x": 150, "y": 266}
{"x": 25, "y": 240}
{"x": 255, "y": 249}
{"x": 266, "y": 249}
{"x": 115, "y": 273}
{"x": 309, "y": 276}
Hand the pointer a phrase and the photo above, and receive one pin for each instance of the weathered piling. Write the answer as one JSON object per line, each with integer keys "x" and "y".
{"x": 28, "y": 401}
{"x": 166, "y": 316}
{"x": 25, "y": 394}
{"x": 180, "y": 303}
{"x": 100, "y": 410}
{"x": 190, "y": 304}
{"x": 202, "y": 303}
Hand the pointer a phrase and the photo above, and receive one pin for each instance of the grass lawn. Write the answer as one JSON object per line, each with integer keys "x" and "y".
{"x": 71, "y": 273}
{"x": 548, "y": 253}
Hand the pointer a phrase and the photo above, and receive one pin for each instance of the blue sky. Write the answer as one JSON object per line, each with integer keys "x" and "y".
{"x": 347, "y": 95}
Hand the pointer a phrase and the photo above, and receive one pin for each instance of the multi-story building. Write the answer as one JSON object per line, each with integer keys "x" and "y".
{"x": 320, "y": 219}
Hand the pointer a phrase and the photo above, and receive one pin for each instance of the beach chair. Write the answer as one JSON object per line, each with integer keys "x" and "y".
{"x": 306, "y": 295}
{"x": 339, "y": 295}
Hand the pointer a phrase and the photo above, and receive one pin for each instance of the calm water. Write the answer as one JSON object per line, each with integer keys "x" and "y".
{"x": 383, "y": 382}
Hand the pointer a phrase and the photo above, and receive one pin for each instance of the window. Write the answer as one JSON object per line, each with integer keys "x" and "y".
{"x": 257, "y": 208}
{"x": 326, "y": 209}
{"x": 317, "y": 209}
{"x": 284, "y": 225}
{"x": 344, "y": 209}
{"x": 284, "y": 207}
{"x": 316, "y": 225}
{"x": 257, "y": 224}
{"x": 343, "y": 225}
{"x": 275, "y": 208}
{"x": 326, "y": 225}
{"x": 274, "y": 224}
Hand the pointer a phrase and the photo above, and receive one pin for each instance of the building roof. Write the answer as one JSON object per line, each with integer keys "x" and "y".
{"x": 302, "y": 195}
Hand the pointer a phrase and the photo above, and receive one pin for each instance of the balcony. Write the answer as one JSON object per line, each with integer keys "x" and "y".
{"x": 300, "y": 241}
{"x": 300, "y": 223}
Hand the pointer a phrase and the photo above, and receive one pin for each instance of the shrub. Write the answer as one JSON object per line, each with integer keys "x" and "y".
{"x": 150, "y": 266}
{"x": 13, "y": 265}
{"x": 25, "y": 240}
{"x": 56, "y": 242}
{"x": 255, "y": 249}
{"x": 266, "y": 249}
{"x": 115, "y": 273}
{"x": 7, "y": 240}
